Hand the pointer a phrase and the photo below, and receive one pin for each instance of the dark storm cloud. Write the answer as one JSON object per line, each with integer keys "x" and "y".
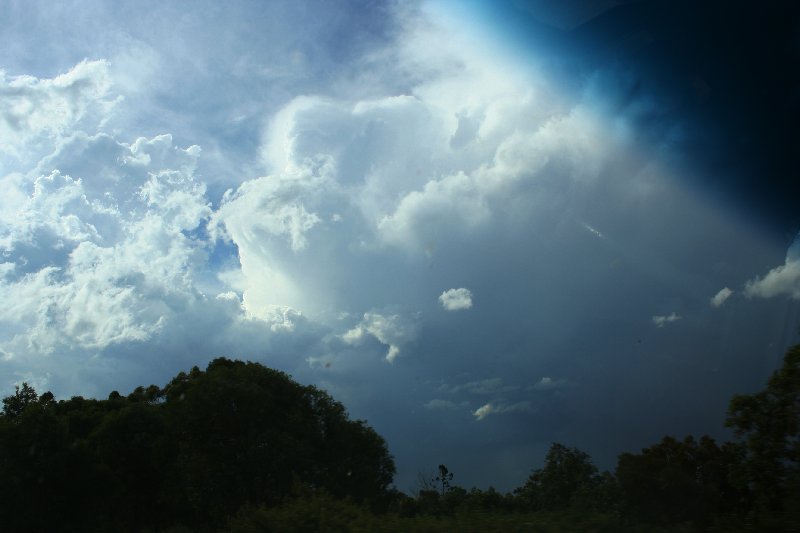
{"x": 725, "y": 72}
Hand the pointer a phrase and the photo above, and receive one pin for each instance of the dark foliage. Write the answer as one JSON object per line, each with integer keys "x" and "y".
{"x": 568, "y": 479}
{"x": 768, "y": 426}
{"x": 240, "y": 447}
{"x": 190, "y": 454}
{"x": 444, "y": 478}
{"x": 23, "y": 397}
{"x": 752, "y": 484}
{"x": 674, "y": 482}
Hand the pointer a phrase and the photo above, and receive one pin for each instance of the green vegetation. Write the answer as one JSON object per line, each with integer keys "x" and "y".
{"x": 190, "y": 454}
{"x": 240, "y": 447}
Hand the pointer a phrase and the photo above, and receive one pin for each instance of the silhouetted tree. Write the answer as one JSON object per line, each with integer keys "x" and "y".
{"x": 767, "y": 424}
{"x": 443, "y": 479}
{"x": 679, "y": 481}
{"x": 48, "y": 480}
{"x": 568, "y": 476}
{"x": 247, "y": 433}
{"x": 13, "y": 406}
{"x": 189, "y": 454}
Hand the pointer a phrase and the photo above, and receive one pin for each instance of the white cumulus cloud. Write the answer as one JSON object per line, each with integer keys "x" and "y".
{"x": 391, "y": 330}
{"x": 783, "y": 280}
{"x": 483, "y": 411}
{"x": 456, "y": 299}
{"x": 31, "y": 107}
{"x": 94, "y": 267}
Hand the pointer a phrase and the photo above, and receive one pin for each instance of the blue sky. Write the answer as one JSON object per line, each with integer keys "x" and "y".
{"x": 482, "y": 227}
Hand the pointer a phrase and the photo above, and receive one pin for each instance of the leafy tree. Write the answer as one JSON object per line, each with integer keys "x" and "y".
{"x": 567, "y": 478}
{"x": 247, "y": 433}
{"x": 13, "y": 406}
{"x": 48, "y": 479}
{"x": 767, "y": 424}
{"x": 188, "y": 455}
{"x": 679, "y": 481}
{"x": 133, "y": 447}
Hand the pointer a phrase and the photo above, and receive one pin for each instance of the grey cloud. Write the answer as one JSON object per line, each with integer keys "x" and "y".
{"x": 498, "y": 408}
{"x": 721, "y": 297}
{"x": 548, "y": 383}
{"x": 661, "y": 320}
{"x": 480, "y": 387}
{"x": 438, "y": 403}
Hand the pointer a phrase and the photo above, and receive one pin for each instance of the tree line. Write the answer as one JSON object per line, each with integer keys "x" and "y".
{"x": 189, "y": 455}
{"x": 241, "y": 447}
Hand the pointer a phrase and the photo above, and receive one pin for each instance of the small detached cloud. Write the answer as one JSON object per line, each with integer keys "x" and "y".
{"x": 721, "y": 297}
{"x": 390, "y": 330}
{"x": 547, "y": 383}
{"x": 320, "y": 362}
{"x": 593, "y": 231}
{"x": 456, "y": 299}
{"x": 498, "y": 408}
{"x": 484, "y": 411}
{"x": 661, "y": 320}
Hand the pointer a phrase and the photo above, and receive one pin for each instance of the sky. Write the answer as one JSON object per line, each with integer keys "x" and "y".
{"x": 482, "y": 226}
